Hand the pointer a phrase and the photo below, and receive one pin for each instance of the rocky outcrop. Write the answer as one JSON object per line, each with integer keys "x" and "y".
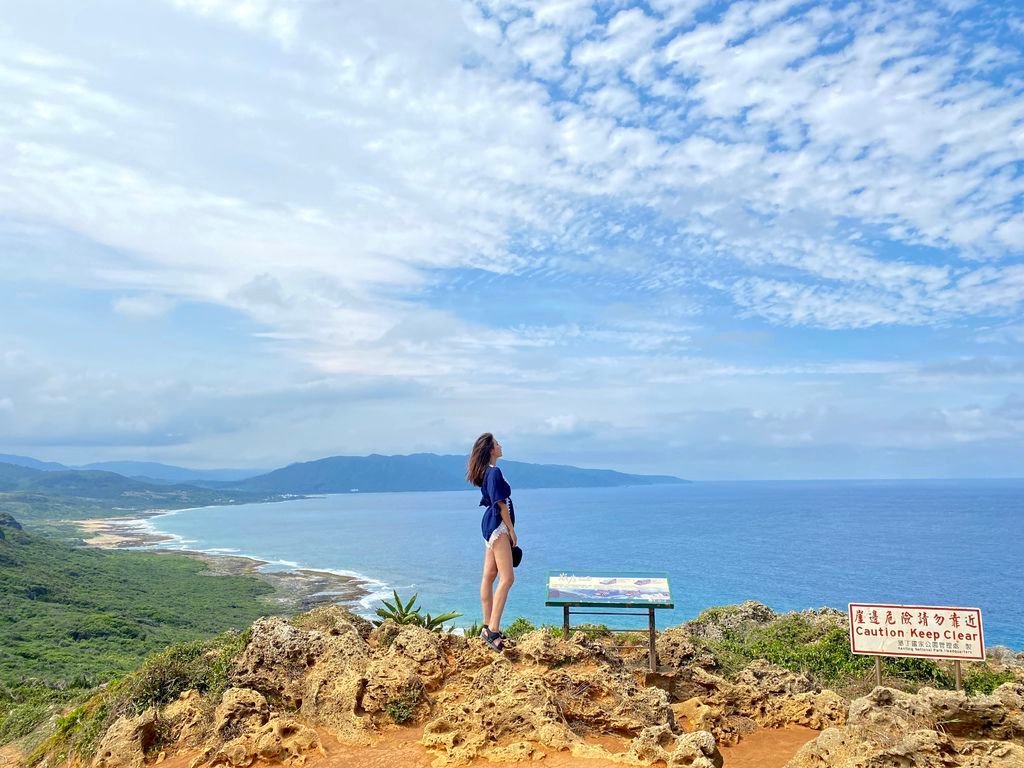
{"x": 333, "y": 673}
{"x": 660, "y": 743}
{"x": 997, "y": 716}
{"x": 127, "y": 741}
{"x": 929, "y": 729}
{"x": 186, "y": 719}
{"x": 283, "y": 739}
{"x": 716, "y": 624}
{"x": 763, "y": 695}
{"x": 319, "y": 673}
{"x": 544, "y": 694}
{"x": 8, "y": 522}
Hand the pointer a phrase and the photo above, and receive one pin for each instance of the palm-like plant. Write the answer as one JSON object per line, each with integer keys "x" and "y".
{"x": 436, "y": 623}
{"x": 404, "y": 613}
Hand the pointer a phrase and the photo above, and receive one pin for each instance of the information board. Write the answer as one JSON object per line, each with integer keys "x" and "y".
{"x": 594, "y": 588}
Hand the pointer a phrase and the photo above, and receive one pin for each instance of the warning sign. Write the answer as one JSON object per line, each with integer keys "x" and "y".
{"x": 927, "y": 631}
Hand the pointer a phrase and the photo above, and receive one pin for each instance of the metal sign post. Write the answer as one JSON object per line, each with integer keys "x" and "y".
{"x": 646, "y": 591}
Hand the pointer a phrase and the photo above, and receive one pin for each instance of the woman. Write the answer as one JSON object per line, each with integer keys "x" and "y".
{"x": 499, "y": 531}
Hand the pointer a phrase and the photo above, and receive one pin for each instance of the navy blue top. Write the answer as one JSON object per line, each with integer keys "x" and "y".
{"x": 492, "y": 490}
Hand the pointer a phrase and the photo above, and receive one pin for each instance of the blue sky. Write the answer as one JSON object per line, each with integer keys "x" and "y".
{"x": 720, "y": 240}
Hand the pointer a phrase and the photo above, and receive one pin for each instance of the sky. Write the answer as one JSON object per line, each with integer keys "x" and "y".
{"x": 717, "y": 240}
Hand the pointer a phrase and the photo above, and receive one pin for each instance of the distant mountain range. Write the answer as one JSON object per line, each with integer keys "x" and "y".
{"x": 427, "y": 472}
{"x": 337, "y": 474}
{"x": 149, "y": 471}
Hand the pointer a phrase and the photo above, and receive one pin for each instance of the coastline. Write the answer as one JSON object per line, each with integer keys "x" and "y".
{"x": 295, "y": 590}
{"x": 216, "y": 539}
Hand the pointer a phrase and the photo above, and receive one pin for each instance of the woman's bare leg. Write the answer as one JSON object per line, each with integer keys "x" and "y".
{"x": 502, "y": 552}
{"x": 487, "y": 584}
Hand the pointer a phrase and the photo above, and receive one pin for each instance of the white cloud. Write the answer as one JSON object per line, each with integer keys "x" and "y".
{"x": 144, "y": 305}
{"x": 279, "y": 19}
{"x": 342, "y": 176}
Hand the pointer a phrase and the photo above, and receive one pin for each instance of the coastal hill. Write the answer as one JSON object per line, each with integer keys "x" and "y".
{"x": 335, "y": 474}
{"x": 426, "y": 472}
{"x": 36, "y": 491}
{"x": 34, "y": 494}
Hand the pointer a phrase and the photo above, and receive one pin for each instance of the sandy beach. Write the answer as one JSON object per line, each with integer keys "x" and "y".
{"x": 295, "y": 590}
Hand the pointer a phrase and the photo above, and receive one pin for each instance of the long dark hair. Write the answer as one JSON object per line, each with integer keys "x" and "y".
{"x": 480, "y": 459}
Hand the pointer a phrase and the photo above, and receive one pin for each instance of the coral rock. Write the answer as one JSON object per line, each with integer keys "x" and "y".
{"x": 186, "y": 719}
{"x": 890, "y": 727}
{"x": 125, "y": 743}
{"x": 693, "y": 750}
{"x": 240, "y": 711}
{"x": 322, "y": 674}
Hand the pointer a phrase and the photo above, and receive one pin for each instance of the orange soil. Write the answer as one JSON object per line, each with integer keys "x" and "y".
{"x": 764, "y": 748}
{"x": 400, "y": 748}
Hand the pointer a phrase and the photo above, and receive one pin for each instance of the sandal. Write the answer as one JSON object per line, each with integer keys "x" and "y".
{"x": 495, "y": 640}
{"x": 506, "y": 642}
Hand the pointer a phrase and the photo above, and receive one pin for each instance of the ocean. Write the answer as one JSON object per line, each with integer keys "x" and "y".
{"x": 791, "y": 545}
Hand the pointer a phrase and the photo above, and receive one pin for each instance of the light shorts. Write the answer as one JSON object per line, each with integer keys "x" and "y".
{"x": 501, "y": 530}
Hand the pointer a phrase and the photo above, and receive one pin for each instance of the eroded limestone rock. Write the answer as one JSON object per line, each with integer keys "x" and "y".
{"x": 126, "y": 742}
{"x": 923, "y": 730}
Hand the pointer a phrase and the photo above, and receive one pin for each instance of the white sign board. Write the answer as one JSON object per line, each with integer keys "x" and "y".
{"x": 926, "y": 631}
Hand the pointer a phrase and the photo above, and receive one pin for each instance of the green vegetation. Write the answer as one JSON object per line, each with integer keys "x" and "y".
{"x": 36, "y": 497}
{"x": 72, "y": 618}
{"x": 517, "y": 628}
{"x": 981, "y": 678}
{"x": 405, "y": 613}
{"x": 798, "y": 644}
{"x": 403, "y": 709}
{"x": 195, "y": 665}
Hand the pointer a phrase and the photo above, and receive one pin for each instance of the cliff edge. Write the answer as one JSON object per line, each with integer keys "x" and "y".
{"x": 286, "y": 691}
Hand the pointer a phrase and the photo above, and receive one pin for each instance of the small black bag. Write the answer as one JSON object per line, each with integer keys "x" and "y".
{"x": 517, "y": 556}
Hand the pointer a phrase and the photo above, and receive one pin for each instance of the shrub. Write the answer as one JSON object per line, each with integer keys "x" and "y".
{"x": 164, "y": 676}
{"x": 200, "y": 665}
{"x": 518, "y": 628}
{"x": 593, "y": 630}
{"x": 403, "y": 709}
{"x": 794, "y": 642}
{"x": 982, "y": 678}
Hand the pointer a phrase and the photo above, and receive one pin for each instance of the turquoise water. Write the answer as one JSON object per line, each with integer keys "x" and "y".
{"x": 792, "y": 545}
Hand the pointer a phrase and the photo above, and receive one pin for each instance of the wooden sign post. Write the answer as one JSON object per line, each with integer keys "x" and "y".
{"x": 917, "y": 631}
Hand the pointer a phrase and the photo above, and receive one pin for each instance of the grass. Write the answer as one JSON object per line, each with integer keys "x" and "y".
{"x": 72, "y": 619}
{"x": 794, "y": 642}
{"x": 195, "y": 665}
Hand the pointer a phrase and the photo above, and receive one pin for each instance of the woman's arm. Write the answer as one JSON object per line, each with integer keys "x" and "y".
{"x": 507, "y": 520}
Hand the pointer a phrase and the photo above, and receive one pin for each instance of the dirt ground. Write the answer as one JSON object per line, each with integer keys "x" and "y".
{"x": 764, "y": 748}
